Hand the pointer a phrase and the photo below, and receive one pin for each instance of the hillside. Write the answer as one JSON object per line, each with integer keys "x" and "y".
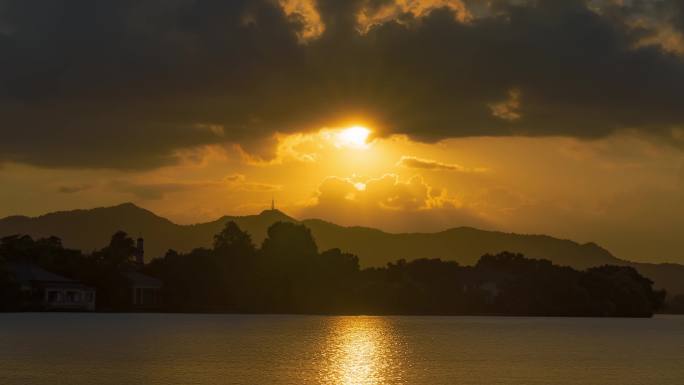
{"x": 463, "y": 244}
{"x": 91, "y": 229}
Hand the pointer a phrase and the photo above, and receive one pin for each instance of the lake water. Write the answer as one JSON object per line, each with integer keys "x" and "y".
{"x": 75, "y": 349}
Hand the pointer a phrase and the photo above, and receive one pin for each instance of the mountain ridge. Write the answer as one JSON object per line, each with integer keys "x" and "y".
{"x": 90, "y": 229}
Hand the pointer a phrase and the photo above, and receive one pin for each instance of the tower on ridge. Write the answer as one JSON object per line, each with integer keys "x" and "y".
{"x": 140, "y": 252}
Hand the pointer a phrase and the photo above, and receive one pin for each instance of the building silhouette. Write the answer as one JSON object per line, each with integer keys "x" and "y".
{"x": 144, "y": 291}
{"x": 40, "y": 289}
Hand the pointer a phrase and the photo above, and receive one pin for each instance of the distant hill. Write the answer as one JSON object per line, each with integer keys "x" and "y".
{"x": 463, "y": 244}
{"x": 91, "y": 229}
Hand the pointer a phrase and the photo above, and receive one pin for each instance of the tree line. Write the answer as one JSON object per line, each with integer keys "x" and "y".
{"x": 288, "y": 274}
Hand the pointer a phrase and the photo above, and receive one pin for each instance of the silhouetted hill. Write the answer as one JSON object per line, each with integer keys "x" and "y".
{"x": 462, "y": 244}
{"x": 465, "y": 245}
{"x": 91, "y": 229}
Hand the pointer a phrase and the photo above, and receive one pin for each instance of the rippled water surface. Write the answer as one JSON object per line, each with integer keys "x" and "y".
{"x": 184, "y": 349}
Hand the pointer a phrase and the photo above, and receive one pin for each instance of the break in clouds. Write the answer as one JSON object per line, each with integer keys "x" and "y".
{"x": 128, "y": 83}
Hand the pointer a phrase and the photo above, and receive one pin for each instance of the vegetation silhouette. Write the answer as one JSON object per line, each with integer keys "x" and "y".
{"x": 288, "y": 274}
{"x": 91, "y": 229}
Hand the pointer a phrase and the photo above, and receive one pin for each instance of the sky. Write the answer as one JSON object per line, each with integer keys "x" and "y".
{"x": 561, "y": 117}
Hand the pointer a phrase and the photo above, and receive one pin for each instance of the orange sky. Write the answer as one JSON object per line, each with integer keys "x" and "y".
{"x": 556, "y": 117}
{"x": 624, "y": 192}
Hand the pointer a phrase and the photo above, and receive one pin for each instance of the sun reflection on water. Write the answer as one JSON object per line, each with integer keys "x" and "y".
{"x": 361, "y": 350}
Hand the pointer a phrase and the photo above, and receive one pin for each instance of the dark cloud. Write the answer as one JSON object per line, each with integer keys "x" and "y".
{"x": 157, "y": 191}
{"x": 239, "y": 182}
{"x": 126, "y": 84}
{"x": 151, "y": 191}
{"x": 74, "y": 189}
{"x": 429, "y": 164}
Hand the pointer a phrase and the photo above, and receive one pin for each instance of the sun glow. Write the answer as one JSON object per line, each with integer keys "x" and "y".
{"x": 355, "y": 137}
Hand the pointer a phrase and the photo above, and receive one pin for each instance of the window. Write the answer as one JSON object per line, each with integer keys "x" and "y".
{"x": 148, "y": 297}
{"x": 73, "y": 296}
{"x": 54, "y": 296}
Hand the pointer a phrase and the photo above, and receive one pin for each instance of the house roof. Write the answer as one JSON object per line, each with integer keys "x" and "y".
{"x": 32, "y": 273}
{"x": 138, "y": 279}
{"x": 27, "y": 272}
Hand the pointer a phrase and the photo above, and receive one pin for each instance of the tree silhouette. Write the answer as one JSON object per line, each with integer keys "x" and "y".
{"x": 287, "y": 240}
{"x": 233, "y": 241}
{"x": 120, "y": 251}
{"x": 288, "y": 275}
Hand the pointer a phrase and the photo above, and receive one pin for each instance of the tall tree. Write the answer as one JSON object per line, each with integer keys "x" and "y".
{"x": 233, "y": 241}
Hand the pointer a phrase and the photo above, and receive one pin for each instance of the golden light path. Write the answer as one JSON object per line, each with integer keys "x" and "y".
{"x": 361, "y": 350}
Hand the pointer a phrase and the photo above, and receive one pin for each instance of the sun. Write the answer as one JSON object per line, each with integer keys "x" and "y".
{"x": 355, "y": 137}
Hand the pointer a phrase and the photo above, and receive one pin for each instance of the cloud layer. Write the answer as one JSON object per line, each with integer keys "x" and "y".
{"x": 389, "y": 203}
{"x": 428, "y": 164}
{"x": 127, "y": 84}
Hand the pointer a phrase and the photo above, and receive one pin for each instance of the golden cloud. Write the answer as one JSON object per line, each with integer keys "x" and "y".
{"x": 390, "y": 203}
{"x": 304, "y": 147}
{"x": 307, "y": 14}
{"x": 657, "y": 31}
{"x": 508, "y": 109}
{"x": 394, "y": 11}
{"x": 280, "y": 148}
{"x": 386, "y": 192}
